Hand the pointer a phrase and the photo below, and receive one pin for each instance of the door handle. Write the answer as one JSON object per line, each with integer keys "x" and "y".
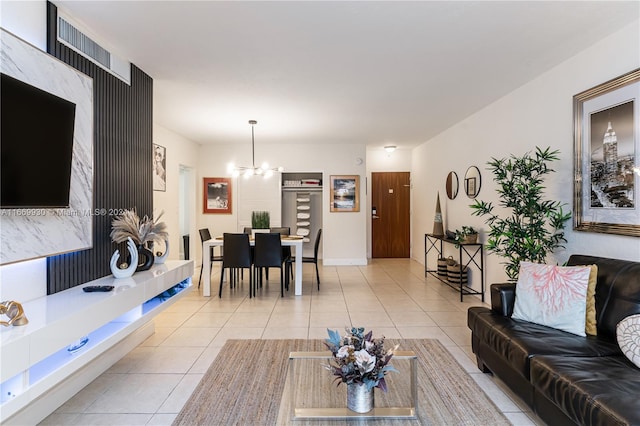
{"x": 375, "y": 217}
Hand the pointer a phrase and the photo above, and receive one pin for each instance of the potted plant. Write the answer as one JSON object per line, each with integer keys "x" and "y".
{"x": 466, "y": 235}
{"x": 260, "y": 220}
{"x": 534, "y": 228}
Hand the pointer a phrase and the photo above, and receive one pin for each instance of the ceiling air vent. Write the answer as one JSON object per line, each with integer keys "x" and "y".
{"x": 71, "y": 36}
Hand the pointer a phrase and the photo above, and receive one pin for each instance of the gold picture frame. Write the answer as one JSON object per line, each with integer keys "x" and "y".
{"x": 607, "y": 157}
{"x": 345, "y": 193}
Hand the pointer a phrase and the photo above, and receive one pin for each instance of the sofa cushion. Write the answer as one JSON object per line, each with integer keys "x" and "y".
{"x": 617, "y": 291}
{"x": 628, "y": 336}
{"x": 593, "y": 391}
{"x": 518, "y": 341}
{"x": 555, "y": 296}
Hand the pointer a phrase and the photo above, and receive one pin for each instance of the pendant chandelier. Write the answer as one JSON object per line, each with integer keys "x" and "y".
{"x": 247, "y": 172}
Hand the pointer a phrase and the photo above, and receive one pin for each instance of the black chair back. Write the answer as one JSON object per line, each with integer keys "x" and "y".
{"x": 268, "y": 250}
{"x": 284, "y": 230}
{"x": 204, "y": 234}
{"x": 317, "y": 245}
{"x": 237, "y": 251}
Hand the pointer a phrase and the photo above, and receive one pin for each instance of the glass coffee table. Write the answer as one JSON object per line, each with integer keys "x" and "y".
{"x": 311, "y": 393}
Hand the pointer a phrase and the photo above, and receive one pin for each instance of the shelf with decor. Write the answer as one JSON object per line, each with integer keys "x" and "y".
{"x": 468, "y": 254}
{"x": 73, "y": 336}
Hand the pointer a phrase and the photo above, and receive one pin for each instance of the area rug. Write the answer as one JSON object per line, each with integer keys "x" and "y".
{"x": 246, "y": 384}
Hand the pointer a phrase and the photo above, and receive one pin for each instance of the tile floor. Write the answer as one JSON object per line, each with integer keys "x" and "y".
{"x": 150, "y": 385}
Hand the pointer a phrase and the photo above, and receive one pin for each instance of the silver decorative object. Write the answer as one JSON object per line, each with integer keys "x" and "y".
{"x": 359, "y": 398}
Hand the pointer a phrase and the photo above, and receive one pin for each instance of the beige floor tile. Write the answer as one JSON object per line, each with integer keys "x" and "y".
{"x": 285, "y": 333}
{"x": 162, "y": 419}
{"x": 290, "y": 320}
{"x": 159, "y": 336}
{"x": 204, "y": 360}
{"x": 180, "y": 394}
{"x": 135, "y": 393}
{"x": 338, "y": 320}
{"x": 171, "y": 319}
{"x": 449, "y": 319}
{"x": 191, "y": 336}
{"x": 460, "y": 335}
{"x": 249, "y": 319}
{"x": 236, "y": 333}
{"x": 208, "y": 319}
{"x": 411, "y": 318}
{"x": 167, "y": 359}
{"x": 370, "y": 319}
{"x": 426, "y": 333}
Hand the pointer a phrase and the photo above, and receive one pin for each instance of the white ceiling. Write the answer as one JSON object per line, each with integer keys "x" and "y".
{"x": 376, "y": 73}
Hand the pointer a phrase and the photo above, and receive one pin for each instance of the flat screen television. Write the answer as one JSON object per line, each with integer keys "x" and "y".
{"x": 36, "y": 139}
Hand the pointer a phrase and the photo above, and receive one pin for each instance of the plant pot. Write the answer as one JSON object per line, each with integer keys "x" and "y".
{"x": 359, "y": 398}
{"x": 470, "y": 239}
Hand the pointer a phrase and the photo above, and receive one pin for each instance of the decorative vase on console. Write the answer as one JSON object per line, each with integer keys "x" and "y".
{"x": 129, "y": 225}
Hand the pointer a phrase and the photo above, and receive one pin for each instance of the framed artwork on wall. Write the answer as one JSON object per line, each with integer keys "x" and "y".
{"x": 607, "y": 157}
{"x": 159, "y": 168}
{"x": 345, "y": 193}
{"x": 217, "y": 195}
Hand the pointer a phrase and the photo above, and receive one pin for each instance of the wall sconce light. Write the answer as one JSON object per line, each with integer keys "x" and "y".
{"x": 390, "y": 148}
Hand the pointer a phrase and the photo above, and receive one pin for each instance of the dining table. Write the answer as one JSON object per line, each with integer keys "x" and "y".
{"x": 294, "y": 241}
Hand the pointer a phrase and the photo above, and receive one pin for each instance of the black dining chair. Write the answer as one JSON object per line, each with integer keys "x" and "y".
{"x": 307, "y": 259}
{"x": 236, "y": 255}
{"x": 204, "y": 236}
{"x": 283, "y": 231}
{"x": 268, "y": 254}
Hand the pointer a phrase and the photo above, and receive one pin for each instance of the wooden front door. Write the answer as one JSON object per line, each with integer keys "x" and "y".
{"x": 390, "y": 216}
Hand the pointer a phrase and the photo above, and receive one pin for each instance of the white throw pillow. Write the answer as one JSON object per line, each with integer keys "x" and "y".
{"x": 555, "y": 296}
{"x": 628, "y": 336}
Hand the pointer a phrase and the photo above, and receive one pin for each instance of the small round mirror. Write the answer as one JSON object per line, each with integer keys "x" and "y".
{"x": 452, "y": 185}
{"x": 472, "y": 182}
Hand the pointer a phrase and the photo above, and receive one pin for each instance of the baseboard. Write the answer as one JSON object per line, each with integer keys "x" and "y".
{"x": 345, "y": 262}
{"x": 46, "y": 404}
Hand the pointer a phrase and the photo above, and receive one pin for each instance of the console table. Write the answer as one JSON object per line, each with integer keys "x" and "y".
{"x": 467, "y": 254}
{"x": 45, "y": 362}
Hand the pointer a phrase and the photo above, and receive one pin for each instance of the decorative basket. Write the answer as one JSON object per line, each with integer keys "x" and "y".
{"x": 443, "y": 263}
{"x": 457, "y": 274}
{"x": 470, "y": 239}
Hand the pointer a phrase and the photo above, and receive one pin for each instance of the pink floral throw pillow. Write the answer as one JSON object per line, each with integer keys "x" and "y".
{"x": 555, "y": 296}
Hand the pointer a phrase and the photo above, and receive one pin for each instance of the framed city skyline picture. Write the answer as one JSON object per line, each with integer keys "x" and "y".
{"x": 345, "y": 193}
{"x": 607, "y": 157}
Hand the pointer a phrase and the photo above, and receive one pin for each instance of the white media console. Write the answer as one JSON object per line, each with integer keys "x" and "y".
{"x": 38, "y": 369}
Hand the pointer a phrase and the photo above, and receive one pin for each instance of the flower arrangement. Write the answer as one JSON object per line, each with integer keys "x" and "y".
{"x": 358, "y": 358}
{"x": 128, "y": 224}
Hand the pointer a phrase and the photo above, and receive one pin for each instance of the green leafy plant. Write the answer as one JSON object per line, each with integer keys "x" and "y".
{"x": 462, "y": 234}
{"x": 535, "y": 226}
{"x": 260, "y": 220}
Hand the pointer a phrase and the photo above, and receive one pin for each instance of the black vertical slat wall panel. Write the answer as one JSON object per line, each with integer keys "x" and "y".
{"x": 122, "y": 154}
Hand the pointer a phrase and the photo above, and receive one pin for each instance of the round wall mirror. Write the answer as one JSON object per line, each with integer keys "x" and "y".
{"x": 452, "y": 185}
{"x": 472, "y": 182}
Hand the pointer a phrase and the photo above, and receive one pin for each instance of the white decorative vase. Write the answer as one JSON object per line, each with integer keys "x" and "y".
{"x": 160, "y": 259}
{"x": 359, "y": 398}
{"x": 133, "y": 263}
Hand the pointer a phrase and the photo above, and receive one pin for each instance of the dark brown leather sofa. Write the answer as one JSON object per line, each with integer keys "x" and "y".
{"x": 565, "y": 378}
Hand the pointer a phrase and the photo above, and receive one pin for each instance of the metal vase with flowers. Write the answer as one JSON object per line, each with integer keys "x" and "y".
{"x": 361, "y": 362}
